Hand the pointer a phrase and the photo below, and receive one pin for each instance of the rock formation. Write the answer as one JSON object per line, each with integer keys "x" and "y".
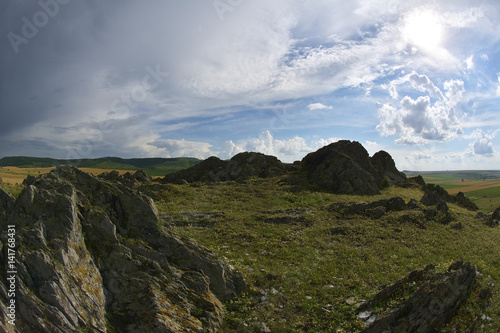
{"x": 435, "y": 194}
{"x": 91, "y": 256}
{"x": 433, "y": 299}
{"x": 341, "y": 167}
{"x": 241, "y": 166}
{"x": 385, "y": 165}
{"x": 345, "y": 167}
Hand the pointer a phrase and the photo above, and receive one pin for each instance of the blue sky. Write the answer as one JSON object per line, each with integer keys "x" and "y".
{"x": 419, "y": 79}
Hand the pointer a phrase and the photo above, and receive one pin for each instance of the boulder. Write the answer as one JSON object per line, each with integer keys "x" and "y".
{"x": 91, "y": 255}
{"x": 343, "y": 167}
{"x": 433, "y": 299}
{"x": 494, "y": 219}
{"x": 435, "y": 194}
{"x": 383, "y": 162}
{"x": 375, "y": 209}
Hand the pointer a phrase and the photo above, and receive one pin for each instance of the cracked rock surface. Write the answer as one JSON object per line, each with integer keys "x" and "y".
{"x": 91, "y": 256}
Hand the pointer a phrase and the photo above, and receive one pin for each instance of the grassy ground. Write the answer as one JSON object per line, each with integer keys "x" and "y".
{"x": 302, "y": 262}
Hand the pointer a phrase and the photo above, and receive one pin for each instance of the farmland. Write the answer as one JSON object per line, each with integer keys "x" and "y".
{"x": 482, "y": 187}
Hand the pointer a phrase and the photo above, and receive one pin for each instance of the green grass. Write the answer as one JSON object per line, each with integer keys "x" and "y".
{"x": 300, "y": 274}
{"x": 486, "y": 199}
{"x": 14, "y": 189}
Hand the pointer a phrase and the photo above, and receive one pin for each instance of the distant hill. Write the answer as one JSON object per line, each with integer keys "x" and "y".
{"x": 153, "y": 166}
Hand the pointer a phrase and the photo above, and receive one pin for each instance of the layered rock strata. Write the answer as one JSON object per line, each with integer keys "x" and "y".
{"x": 91, "y": 257}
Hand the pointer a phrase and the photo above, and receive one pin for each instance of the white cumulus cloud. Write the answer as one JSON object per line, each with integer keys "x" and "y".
{"x": 482, "y": 144}
{"x": 430, "y": 117}
{"x": 180, "y": 148}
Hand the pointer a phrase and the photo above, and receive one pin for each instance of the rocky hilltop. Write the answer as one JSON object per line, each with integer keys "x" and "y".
{"x": 91, "y": 257}
{"x": 343, "y": 167}
{"x": 241, "y": 166}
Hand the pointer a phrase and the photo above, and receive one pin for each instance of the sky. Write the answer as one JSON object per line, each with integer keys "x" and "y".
{"x": 199, "y": 78}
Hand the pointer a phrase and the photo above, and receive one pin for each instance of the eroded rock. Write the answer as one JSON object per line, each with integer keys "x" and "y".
{"x": 433, "y": 299}
{"x": 241, "y": 166}
{"x": 91, "y": 255}
{"x": 343, "y": 167}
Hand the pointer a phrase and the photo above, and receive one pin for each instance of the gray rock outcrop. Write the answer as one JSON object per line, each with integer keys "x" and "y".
{"x": 383, "y": 162}
{"x": 345, "y": 167}
{"x": 434, "y": 194}
{"x": 91, "y": 255}
{"x": 241, "y": 166}
{"x": 433, "y": 299}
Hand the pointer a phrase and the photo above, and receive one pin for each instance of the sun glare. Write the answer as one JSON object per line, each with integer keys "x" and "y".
{"x": 423, "y": 29}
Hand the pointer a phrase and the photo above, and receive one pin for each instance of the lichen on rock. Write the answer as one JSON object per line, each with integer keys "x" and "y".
{"x": 90, "y": 255}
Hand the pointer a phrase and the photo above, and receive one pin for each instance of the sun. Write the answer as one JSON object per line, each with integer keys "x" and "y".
{"x": 423, "y": 29}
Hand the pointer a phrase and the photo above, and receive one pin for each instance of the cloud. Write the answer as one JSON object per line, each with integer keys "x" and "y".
{"x": 498, "y": 87}
{"x": 430, "y": 117}
{"x": 482, "y": 144}
{"x": 318, "y": 106}
{"x": 285, "y": 150}
{"x": 470, "y": 62}
{"x": 180, "y": 148}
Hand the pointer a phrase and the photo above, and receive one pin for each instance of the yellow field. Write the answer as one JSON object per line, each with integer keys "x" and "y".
{"x": 471, "y": 185}
{"x": 15, "y": 175}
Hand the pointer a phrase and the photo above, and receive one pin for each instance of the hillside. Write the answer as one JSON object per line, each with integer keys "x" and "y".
{"x": 153, "y": 166}
{"x": 339, "y": 242}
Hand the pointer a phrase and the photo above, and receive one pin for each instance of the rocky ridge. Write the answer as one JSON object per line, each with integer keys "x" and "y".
{"x": 342, "y": 167}
{"x": 91, "y": 256}
{"x": 241, "y": 166}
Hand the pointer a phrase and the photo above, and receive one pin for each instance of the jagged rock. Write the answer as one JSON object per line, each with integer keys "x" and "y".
{"x": 496, "y": 214}
{"x": 91, "y": 255}
{"x": 129, "y": 179}
{"x": 385, "y": 165}
{"x": 412, "y": 204}
{"x": 461, "y": 200}
{"x": 7, "y": 202}
{"x": 241, "y": 166}
{"x": 413, "y": 182}
{"x": 433, "y": 299}
{"x": 431, "y": 199}
{"x": 343, "y": 167}
{"x": 376, "y": 213}
{"x": 435, "y": 194}
{"x": 494, "y": 219}
{"x": 442, "y": 207}
{"x": 395, "y": 204}
{"x": 374, "y": 209}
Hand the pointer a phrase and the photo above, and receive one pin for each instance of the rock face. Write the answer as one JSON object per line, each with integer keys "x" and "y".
{"x": 433, "y": 299}
{"x": 345, "y": 167}
{"x": 90, "y": 256}
{"x": 434, "y": 194}
{"x": 385, "y": 165}
{"x": 241, "y": 166}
